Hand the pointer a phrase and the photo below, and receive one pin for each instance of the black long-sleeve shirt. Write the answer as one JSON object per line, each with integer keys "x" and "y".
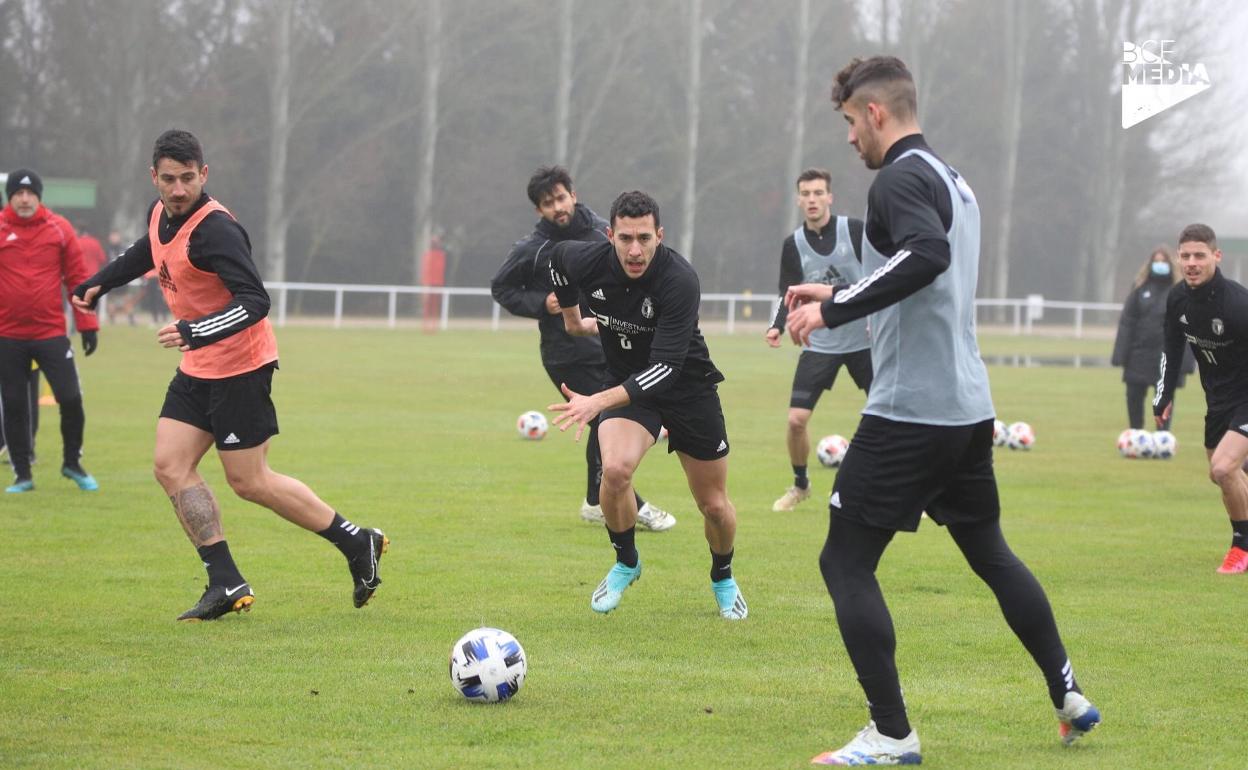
{"x": 522, "y": 284}
{"x": 1213, "y": 320}
{"x": 823, "y": 242}
{"x": 908, "y": 209}
{"x": 648, "y": 325}
{"x": 218, "y": 245}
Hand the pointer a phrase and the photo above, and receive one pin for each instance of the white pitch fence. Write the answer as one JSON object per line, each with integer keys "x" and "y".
{"x": 393, "y": 306}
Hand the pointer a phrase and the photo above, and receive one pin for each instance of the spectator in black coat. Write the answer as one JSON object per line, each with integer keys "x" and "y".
{"x": 1137, "y": 348}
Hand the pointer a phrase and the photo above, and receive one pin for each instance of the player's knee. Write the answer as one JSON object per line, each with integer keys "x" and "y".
{"x": 616, "y": 475}
{"x": 717, "y": 508}
{"x": 1223, "y": 472}
{"x": 798, "y": 422}
{"x": 250, "y": 488}
{"x": 170, "y": 473}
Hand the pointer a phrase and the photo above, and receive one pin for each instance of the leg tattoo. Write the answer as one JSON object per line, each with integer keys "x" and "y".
{"x": 198, "y": 511}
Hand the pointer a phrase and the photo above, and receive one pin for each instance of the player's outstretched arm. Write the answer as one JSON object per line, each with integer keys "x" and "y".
{"x": 580, "y": 410}
{"x": 806, "y": 292}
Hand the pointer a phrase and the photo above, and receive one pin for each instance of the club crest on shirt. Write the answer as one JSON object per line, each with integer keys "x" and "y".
{"x": 647, "y": 308}
{"x": 1218, "y": 328}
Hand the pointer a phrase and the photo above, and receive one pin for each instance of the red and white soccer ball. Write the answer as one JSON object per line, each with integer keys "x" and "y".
{"x": 999, "y": 433}
{"x": 532, "y": 425}
{"x": 831, "y": 450}
{"x": 1020, "y": 436}
{"x": 1135, "y": 443}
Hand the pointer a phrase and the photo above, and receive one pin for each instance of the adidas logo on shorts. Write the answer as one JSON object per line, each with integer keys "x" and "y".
{"x": 723, "y": 444}
{"x": 598, "y": 294}
{"x": 835, "y": 502}
{"x": 231, "y": 439}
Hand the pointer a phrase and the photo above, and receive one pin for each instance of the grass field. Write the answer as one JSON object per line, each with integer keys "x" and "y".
{"x": 414, "y": 434}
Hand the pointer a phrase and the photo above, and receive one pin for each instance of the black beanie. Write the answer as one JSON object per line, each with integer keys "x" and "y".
{"x": 24, "y": 178}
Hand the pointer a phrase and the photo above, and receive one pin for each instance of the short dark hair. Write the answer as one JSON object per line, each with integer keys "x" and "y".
{"x": 634, "y": 205}
{"x": 883, "y": 77}
{"x": 545, "y": 180}
{"x": 1200, "y": 234}
{"x": 811, "y": 174}
{"x": 178, "y": 145}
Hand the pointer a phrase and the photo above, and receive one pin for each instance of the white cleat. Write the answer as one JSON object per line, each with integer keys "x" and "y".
{"x": 592, "y": 513}
{"x": 791, "y": 497}
{"x": 655, "y": 519}
{"x": 1076, "y": 717}
{"x": 871, "y": 747}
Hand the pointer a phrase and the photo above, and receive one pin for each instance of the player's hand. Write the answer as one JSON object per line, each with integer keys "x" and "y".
{"x": 773, "y": 337}
{"x": 579, "y": 410}
{"x": 804, "y": 320}
{"x": 588, "y": 327}
{"x": 170, "y": 337}
{"x": 90, "y": 340}
{"x": 807, "y": 292}
{"x": 85, "y": 303}
{"x": 552, "y": 304}
{"x": 1164, "y": 417}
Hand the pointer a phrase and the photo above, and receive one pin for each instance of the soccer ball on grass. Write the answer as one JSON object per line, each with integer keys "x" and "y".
{"x": 532, "y": 425}
{"x": 1020, "y": 436}
{"x": 831, "y": 450}
{"x": 488, "y": 665}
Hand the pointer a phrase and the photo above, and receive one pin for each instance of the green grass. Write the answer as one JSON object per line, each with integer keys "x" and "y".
{"x": 413, "y": 433}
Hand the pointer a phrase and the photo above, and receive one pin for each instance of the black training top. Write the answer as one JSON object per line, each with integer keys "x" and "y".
{"x": 523, "y": 282}
{"x": 218, "y": 245}
{"x": 1213, "y": 319}
{"x": 908, "y": 207}
{"x": 648, "y": 326}
{"x": 823, "y": 242}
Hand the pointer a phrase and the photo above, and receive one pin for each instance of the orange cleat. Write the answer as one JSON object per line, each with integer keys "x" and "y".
{"x": 1236, "y": 561}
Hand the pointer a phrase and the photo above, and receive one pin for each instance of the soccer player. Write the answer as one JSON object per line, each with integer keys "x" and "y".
{"x": 925, "y": 439}
{"x": 522, "y": 285}
{"x": 220, "y": 393}
{"x": 39, "y": 253}
{"x": 1210, "y": 312}
{"x": 824, "y": 249}
{"x": 644, "y": 299}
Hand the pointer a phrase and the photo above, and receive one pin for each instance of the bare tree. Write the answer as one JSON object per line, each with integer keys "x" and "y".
{"x": 563, "y": 80}
{"x": 693, "y": 106}
{"x": 422, "y": 219}
{"x": 276, "y": 216}
{"x": 1014, "y": 51}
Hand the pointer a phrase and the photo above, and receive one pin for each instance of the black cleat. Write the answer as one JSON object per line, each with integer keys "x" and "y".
{"x": 364, "y": 567}
{"x": 218, "y": 600}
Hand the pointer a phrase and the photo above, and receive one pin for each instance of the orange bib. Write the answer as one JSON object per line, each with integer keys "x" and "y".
{"x": 192, "y": 293}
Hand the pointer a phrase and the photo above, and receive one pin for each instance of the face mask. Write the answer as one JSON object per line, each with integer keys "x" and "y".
{"x": 1161, "y": 269}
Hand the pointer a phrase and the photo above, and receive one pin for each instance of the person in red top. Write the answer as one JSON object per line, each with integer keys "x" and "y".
{"x": 39, "y": 254}
{"x": 432, "y": 273}
{"x": 220, "y": 393}
{"x": 93, "y": 255}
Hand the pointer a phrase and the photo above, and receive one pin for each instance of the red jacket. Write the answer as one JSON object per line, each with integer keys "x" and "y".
{"x": 37, "y": 257}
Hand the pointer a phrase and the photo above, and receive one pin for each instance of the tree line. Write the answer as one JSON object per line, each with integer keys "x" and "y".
{"x": 346, "y": 135}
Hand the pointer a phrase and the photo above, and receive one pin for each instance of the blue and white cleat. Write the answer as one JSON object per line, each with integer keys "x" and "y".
{"x": 20, "y": 485}
{"x": 85, "y": 481}
{"x": 607, "y": 595}
{"x": 1076, "y": 717}
{"x": 728, "y": 597}
{"x": 871, "y": 747}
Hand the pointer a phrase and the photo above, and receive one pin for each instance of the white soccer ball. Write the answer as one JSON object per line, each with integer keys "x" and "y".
{"x": 1164, "y": 445}
{"x": 831, "y": 450}
{"x": 1139, "y": 444}
{"x": 488, "y": 665}
{"x": 532, "y": 425}
{"x": 1020, "y": 436}
{"x": 999, "y": 433}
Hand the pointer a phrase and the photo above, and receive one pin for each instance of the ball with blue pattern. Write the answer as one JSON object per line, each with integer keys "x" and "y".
{"x": 488, "y": 665}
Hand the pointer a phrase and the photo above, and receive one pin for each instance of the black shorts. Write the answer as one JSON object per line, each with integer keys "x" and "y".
{"x": 1218, "y": 423}
{"x": 894, "y": 471}
{"x": 238, "y": 411}
{"x": 586, "y": 379}
{"x": 694, "y": 422}
{"x": 817, "y": 371}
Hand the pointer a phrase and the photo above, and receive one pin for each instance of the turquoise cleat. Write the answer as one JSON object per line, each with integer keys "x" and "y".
{"x": 85, "y": 481}
{"x": 607, "y": 595}
{"x": 728, "y": 597}
{"x": 20, "y": 485}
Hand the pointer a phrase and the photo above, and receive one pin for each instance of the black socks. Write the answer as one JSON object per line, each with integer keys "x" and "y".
{"x": 799, "y": 477}
{"x": 220, "y": 565}
{"x": 625, "y": 546}
{"x": 721, "y": 566}
{"x": 348, "y": 537}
